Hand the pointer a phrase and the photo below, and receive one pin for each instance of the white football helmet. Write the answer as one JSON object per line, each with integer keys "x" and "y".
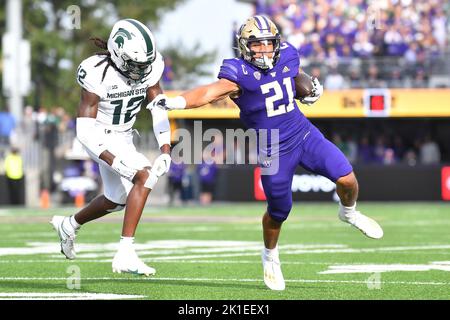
{"x": 132, "y": 48}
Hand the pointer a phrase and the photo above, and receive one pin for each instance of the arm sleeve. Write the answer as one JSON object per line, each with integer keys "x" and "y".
{"x": 228, "y": 71}
{"x": 161, "y": 126}
{"x": 90, "y": 78}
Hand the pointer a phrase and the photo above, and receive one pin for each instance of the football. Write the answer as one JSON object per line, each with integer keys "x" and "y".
{"x": 303, "y": 85}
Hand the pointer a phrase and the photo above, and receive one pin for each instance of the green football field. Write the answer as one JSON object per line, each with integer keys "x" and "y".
{"x": 214, "y": 253}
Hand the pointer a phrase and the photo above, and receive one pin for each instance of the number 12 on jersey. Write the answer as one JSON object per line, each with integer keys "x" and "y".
{"x": 277, "y": 96}
{"x": 132, "y": 108}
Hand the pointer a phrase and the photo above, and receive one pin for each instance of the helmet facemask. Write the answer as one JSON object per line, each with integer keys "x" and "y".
{"x": 135, "y": 70}
{"x": 259, "y": 29}
{"x": 267, "y": 59}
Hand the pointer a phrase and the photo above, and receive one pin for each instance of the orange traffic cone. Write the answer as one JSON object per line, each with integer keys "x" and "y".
{"x": 79, "y": 200}
{"x": 45, "y": 199}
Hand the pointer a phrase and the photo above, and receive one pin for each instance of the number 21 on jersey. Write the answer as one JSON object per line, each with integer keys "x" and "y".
{"x": 271, "y": 101}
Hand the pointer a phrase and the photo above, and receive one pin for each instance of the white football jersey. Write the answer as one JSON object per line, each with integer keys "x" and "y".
{"x": 120, "y": 97}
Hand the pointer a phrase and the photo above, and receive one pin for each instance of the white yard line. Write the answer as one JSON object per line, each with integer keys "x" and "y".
{"x": 419, "y": 283}
{"x": 65, "y": 296}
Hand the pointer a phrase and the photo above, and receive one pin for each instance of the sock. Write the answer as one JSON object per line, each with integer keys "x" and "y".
{"x": 126, "y": 242}
{"x": 347, "y": 211}
{"x": 74, "y": 223}
{"x": 271, "y": 252}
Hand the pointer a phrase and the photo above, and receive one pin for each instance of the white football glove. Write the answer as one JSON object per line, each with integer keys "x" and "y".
{"x": 160, "y": 101}
{"x": 123, "y": 170}
{"x": 161, "y": 165}
{"x": 163, "y": 102}
{"x": 315, "y": 94}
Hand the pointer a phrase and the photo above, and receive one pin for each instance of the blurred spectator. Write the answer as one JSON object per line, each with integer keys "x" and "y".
{"x": 15, "y": 177}
{"x": 395, "y": 80}
{"x": 168, "y": 74}
{"x": 410, "y": 158}
{"x": 363, "y": 47}
{"x": 399, "y": 148}
{"x": 334, "y": 80}
{"x": 207, "y": 172}
{"x": 379, "y": 149}
{"x": 365, "y": 151}
{"x": 7, "y": 125}
{"x": 389, "y": 156}
{"x": 342, "y": 145}
{"x": 355, "y": 78}
{"x": 429, "y": 152}
{"x": 316, "y": 72}
{"x": 420, "y": 79}
{"x": 373, "y": 79}
{"x": 175, "y": 179}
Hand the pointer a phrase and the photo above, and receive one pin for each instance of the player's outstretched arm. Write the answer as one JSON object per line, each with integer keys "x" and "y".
{"x": 210, "y": 93}
{"x": 161, "y": 125}
{"x": 199, "y": 96}
{"x": 161, "y": 129}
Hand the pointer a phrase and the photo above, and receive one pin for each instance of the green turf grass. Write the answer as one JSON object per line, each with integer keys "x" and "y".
{"x": 312, "y": 240}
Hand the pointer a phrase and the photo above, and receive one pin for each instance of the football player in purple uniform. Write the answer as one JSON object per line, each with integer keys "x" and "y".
{"x": 262, "y": 84}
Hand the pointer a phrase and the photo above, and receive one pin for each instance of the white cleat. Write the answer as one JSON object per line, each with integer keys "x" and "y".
{"x": 67, "y": 237}
{"x": 366, "y": 225}
{"x": 127, "y": 261}
{"x": 273, "y": 277}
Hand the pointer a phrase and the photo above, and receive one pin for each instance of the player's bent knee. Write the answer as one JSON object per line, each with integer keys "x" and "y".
{"x": 279, "y": 214}
{"x": 347, "y": 181}
{"x": 146, "y": 178}
{"x": 141, "y": 177}
{"x": 151, "y": 180}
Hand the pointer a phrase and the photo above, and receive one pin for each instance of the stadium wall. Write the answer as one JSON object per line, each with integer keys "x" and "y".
{"x": 377, "y": 183}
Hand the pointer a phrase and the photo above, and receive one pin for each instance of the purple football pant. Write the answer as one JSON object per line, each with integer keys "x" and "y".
{"x": 317, "y": 155}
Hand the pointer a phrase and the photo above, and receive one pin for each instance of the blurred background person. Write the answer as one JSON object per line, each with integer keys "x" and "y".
{"x": 7, "y": 125}
{"x": 175, "y": 181}
{"x": 15, "y": 177}
{"x": 207, "y": 172}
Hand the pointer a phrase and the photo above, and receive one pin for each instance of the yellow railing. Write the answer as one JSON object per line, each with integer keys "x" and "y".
{"x": 353, "y": 103}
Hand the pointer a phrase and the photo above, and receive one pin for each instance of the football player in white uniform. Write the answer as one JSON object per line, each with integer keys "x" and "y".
{"x": 116, "y": 83}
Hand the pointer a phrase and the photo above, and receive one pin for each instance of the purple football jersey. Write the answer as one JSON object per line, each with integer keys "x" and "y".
{"x": 267, "y": 97}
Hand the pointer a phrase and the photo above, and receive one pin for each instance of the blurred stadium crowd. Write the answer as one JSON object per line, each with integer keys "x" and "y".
{"x": 362, "y": 43}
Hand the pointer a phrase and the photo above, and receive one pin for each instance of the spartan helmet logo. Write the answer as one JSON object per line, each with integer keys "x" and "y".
{"x": 119, "y": 40}
{"x": 119, "y": 37}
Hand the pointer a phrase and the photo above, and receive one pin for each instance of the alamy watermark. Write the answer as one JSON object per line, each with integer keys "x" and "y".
{"x": 238, "y": 146}
{"x": 74, "y": 279}
{"x": 374, "y": 281}
{"x": 74, "y": 14}
{"x": 373, "y": 15}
